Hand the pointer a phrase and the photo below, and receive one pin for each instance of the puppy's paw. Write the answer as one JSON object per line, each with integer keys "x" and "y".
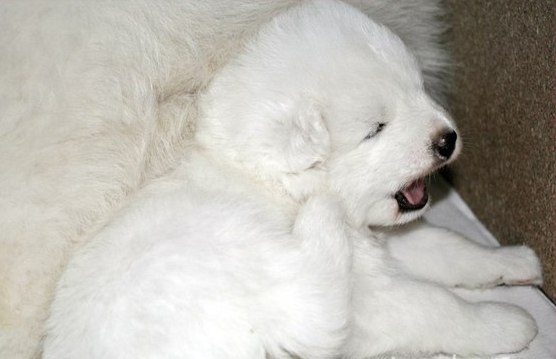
{"x": 504, "y": 329}
{"x": 322, "y": 216}
{"x": 323, "y": 208}
{"x": 521, "y": 266}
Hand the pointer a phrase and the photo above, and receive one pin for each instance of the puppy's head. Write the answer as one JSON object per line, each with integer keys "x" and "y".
{"x": 323, "y": 96}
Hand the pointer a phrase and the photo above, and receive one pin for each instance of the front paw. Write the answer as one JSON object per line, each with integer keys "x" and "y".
{"x": 322, "y": 209}
{"x": 521, "y": 266}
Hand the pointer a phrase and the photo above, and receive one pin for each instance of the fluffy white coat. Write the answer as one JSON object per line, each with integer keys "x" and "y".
{"x": 99, "y": 98}
{"x": 258, "y": 244}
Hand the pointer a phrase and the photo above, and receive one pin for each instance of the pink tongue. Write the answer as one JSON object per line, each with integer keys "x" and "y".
{"x": 415, "y": 192}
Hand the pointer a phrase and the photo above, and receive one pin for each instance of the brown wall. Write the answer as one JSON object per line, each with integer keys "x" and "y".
{"x": 504, "y": 105}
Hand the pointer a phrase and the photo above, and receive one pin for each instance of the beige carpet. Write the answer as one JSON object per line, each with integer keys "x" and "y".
{"x": 504, "y": 105}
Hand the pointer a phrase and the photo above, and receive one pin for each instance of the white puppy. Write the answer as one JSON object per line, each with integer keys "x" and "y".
{"x": 259, "y": 243}
{"x": 97, "y": 98}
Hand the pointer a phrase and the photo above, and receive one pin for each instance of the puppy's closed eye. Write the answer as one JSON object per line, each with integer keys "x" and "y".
{"x": 376, "y": 129}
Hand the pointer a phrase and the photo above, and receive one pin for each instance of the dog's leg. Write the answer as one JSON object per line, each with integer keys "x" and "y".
{"x": 396, "y": 315}
{"x": 312, "y": 307}
{"x": 321, "y": 227}
{"x": 444, "y": 257}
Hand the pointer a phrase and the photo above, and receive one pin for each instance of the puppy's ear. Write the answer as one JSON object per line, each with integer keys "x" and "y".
{"x": 308, "y": 140}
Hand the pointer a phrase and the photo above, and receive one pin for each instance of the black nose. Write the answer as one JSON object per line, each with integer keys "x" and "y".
{"x": 445, "y": 144}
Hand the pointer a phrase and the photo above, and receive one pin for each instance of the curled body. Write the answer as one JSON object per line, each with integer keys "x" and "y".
{"x": 259, "y": 245}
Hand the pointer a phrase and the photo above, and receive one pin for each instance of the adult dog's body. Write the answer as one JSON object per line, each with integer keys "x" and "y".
{"x": 259, "y": 243}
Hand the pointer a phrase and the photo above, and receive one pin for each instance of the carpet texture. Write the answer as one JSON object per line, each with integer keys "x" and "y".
{"x": 504, "y": 105}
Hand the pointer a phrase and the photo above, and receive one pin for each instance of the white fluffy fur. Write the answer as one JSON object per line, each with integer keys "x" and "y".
{"x": 258, "y": 243}
{"x": 98, "y": 98}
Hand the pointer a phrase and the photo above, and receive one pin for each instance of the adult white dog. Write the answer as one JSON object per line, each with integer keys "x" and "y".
{"x": 259, "y": 245}
{"x": 99, "y": 98}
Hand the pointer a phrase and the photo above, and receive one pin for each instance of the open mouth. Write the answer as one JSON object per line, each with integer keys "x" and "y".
{"x": 413, "y": 196}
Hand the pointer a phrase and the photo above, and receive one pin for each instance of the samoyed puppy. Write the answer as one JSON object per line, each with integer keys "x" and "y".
{"x": 97, "y": 98}
{"x": 262, "y": 243}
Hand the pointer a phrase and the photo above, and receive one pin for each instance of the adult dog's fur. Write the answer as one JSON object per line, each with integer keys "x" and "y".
{"x": 98, "y": 98}
{"x": 258, "y": 244}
